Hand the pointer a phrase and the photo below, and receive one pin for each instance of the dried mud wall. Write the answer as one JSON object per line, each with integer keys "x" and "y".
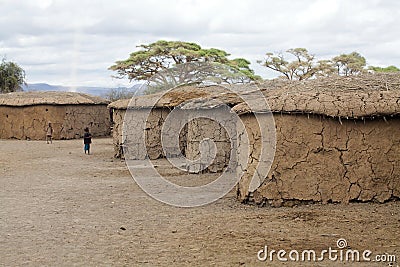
{"x": 137, "y": 123}
{"x": 118, "y": 119}
{"x": 206, "y": 128}
{"x": 68, "y": 121}
{"x": 190, "y": 137}
{"x": 201, "y": 129}
{"x": 324, "y": 160}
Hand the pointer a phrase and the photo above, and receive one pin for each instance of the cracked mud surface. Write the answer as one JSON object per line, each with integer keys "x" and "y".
{"x": 68, "y": 121}
{"x": 59, "y": 207}
{"x": 320, "y": 159}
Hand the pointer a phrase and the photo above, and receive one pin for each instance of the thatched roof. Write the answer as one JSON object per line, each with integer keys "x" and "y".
{"x": 49, "y": 98}
{"x": 364, "y": 95}
{"x": 170, "y": 99}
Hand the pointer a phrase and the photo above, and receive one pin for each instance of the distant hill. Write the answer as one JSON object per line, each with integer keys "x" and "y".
{"x": 98, "y": 91}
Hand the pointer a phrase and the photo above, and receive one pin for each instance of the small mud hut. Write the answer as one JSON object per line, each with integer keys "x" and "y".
{"x": 159, "y": 106}
{"x": 25, "y": 115}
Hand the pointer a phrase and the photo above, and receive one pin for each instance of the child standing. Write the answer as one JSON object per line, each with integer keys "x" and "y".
{"x": 87, "y": 140}
{"x": 49, "y": 133}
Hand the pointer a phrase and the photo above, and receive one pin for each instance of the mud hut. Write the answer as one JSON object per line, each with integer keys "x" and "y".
{"x": 337, "y": 140}
{"x": 25, "y": 115}
{"x": 159, "y": 106}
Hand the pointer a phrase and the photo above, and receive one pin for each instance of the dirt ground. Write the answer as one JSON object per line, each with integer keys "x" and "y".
{"x": 59, "y": 206}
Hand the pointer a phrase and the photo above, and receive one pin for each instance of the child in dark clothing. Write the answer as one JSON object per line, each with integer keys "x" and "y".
{"x": 87, "y": 140}
{"x": 49, "y": 133}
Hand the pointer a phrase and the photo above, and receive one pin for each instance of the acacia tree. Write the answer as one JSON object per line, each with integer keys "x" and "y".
{"x": 349, "y": 64}
{"x": 243, "y": 66}
{"x": 163, "y": 55}
{"x": 12, "y": 77}
{"x": 325, "y": 68}
{"x": 302, "y": 67}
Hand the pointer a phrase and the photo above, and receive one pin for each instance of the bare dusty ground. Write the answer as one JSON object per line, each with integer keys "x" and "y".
{"x": 59, "y": 206}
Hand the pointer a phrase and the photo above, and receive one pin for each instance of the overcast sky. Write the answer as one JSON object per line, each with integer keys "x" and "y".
{"x": 73, "y": 42}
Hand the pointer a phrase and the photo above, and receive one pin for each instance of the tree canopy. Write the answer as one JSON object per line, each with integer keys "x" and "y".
{"x": 304, "y": 65}
{"x": 162, "y": 55}
{"x": 12, "y": 77}
{"x": 294, "y": 64}
{"x": 384, "y": 69}
{"x": 349, "y": 64}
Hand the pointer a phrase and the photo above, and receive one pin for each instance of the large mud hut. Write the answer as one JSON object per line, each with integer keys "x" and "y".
{"x": 25, "y": 115}
{"x": 337, "y": 139}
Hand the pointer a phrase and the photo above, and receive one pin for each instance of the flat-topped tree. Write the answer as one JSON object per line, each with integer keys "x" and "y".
{"x": 162, "y": 55}
{"x": 349, "y": 64}
{"x": 302, "y": 66}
